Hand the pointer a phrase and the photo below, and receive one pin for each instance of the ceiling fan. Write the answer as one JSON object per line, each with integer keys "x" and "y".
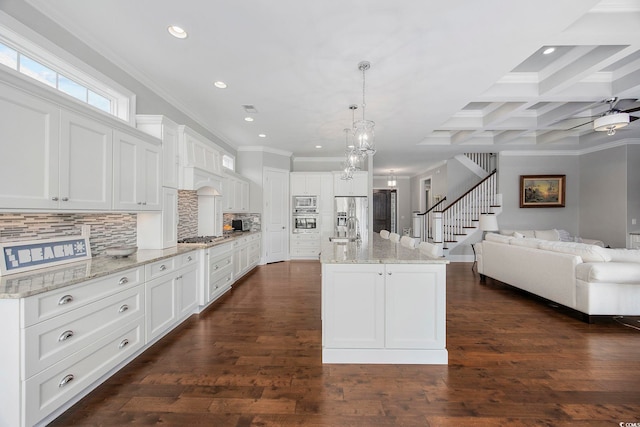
{"x": 614, "y": 118}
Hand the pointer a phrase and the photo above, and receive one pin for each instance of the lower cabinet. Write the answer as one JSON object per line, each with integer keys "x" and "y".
{"x": 383, "y": 313}
{"x": 305, "y": 246}
{"x": 217, "y": 272}
{"x": 172, "y": 295}
{"x": 246, "y": 254}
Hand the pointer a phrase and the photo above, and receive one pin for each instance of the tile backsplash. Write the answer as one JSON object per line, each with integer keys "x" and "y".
{"x": 187, "y": 213}
{"x": 107, "y": 229}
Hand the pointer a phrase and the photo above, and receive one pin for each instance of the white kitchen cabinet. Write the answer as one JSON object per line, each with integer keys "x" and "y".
{"x": 305, "y": 246}
{"x": 159, "y": 230}
{"x": 29, "y": 170}
{"x": 353, "y": 306}
{"x": 167, "y": 131}
{"x": 235, "y": 193}
{"x": 171, "y": 294}
{"x": 383, "y": 313}
{"x": 86, "y": 163}
{"x": 358, "y": 186}
{"x": 217, "y": 272}
{"x": 58, "y": 159}
{"x": 138, "y": 173}
{"x": 305, "y": 183}
{"x": 246, "y": 252}
{"x": 326, "y": 207}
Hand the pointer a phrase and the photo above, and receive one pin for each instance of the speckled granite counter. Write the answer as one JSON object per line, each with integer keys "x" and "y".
{"x": 377, "y": 251}
{"x": 22, "y": 285}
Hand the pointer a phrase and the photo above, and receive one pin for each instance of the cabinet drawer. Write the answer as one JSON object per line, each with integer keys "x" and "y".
{"x": 189, "y": 258}
{"x": 219, "y": 263}
{"x": 309, "y": 244}
{"x": 160, "y": 268}
{"x": 219, "y": 250}
{"x": 50, "y": 341}
{"x": 306, "y": 237}
{"x": 306, "y": 252}
{"x": 53, "y": 387}
{"x": 47, "y": 305}
{"x": 222, "y": 282}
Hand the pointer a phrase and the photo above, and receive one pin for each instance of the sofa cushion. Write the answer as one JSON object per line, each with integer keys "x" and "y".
{"x": 624, "y": 255}
{"x": 609, "y": 272}
{"x": 552, "y": 235}
{"x": 529, "y": 243}
{"x": 499, "y": 238}
{"x": 588, "y": 253}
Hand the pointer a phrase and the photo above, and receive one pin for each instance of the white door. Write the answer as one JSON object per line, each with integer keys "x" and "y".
{"x": 276, "y": 214}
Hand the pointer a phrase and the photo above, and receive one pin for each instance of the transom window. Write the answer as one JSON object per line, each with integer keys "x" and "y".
{"x": 228, "y": 162}
{"x": 36, "y": 63}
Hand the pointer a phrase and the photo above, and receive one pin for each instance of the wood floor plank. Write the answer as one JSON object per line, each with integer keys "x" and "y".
{"x": 254, "y": 359}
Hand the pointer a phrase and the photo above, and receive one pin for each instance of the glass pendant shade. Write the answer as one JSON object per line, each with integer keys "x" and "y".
{"x": 355, "y": 159}
{"x": 363, "y": 136}
{"x": 347, "y": 172}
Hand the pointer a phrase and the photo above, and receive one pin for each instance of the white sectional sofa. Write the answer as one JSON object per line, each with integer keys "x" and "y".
{"x": 589, "y": 279}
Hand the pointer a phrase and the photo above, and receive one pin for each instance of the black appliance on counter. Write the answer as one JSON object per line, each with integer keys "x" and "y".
{"x": 241, "y": 224}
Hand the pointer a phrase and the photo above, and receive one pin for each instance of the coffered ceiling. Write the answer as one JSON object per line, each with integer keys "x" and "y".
{"x": 445, "y": 78}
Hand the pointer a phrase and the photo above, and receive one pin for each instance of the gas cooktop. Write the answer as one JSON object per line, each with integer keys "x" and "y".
{"x": 203, "y": 239}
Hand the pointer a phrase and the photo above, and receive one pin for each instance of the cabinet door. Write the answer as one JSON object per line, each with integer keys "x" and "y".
{"x": 86, "y": 163}
{"x": 170, "y": 155}
{"x": 30, "y": 130}
{"x": 244, "y": 205}
{"x": 353, "y": 306}
{"x": 326, "y": 204}
{"x": 137, "y": 174}
{"x": 415, "y": 306}
{"x": 314, "y": 186}
{"x": 160, "y": 305}
{"x": 298, "y": 184}
{"x": 228, "y": 189}
{"x": 187, "y": 284}
{"x": 169, "y": 217}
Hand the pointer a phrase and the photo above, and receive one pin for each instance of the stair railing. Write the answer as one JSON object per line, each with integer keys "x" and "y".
{"x": 425, "y": 229}
{"x": 455, "y": 219}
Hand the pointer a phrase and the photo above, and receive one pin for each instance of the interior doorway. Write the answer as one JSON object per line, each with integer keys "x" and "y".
{"x": 384, "y": 210}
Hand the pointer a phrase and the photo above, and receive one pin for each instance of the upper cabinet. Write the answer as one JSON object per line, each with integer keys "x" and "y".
{"x": 235, "y": 193}
{"x": 199, "y": 152}
{"x": 62, "y": 158}
{"x": 306, "y": 183}
{"x": 137, "y": 177}
{"x": 167, "y": 131}
{"x": 358, "y": 186}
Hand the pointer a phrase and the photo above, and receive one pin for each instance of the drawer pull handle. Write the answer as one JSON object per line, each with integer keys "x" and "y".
{"x": 66, "y": 380}
{"x": 123, "y": 343}
{"x": 189, "y": 258}
{"x": 65, "y": 199}
{"x": 65, "y": 300}
{"x": 389, "y": 273}
{"x": 163, "y": 267}
{"x": 379, "y": 274}
{"x": 123, "y": 281}
{"x": 123, "y": 308}
{"x": 217, "y": 267}
{"x": 65, "y": 336}
{"x": 228, "y": 261}
{"x": 55, "y": 199}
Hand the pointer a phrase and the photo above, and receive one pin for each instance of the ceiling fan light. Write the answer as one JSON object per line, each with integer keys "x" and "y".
{"x": 611, "y": 122}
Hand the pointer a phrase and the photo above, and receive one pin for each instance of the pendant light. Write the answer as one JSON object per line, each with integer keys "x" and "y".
{"x": 363, "y": 129}
{"x": 392, "y": 181}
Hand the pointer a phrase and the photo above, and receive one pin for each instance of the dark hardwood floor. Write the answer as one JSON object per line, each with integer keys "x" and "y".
{"x": 254, "y": 359}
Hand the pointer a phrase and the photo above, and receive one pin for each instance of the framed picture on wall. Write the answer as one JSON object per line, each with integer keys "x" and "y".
{"x": 542, "y": 191}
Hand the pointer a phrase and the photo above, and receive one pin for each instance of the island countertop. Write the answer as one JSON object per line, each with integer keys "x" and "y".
{"x": 375, "y": 251}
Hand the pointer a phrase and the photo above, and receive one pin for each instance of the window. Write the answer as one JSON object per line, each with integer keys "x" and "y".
{"x": 228, "y": 162}
{"x": 32, "y": 61}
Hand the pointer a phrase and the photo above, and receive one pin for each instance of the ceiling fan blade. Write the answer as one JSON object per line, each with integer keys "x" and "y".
{"x": 631, "y": 110}
{"x": 622, "y": 104}
{"x": 633, "y": 118}
{"x": 580, "y": 125}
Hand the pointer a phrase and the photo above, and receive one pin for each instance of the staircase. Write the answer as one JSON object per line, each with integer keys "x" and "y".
{"x": 452, "y": 223}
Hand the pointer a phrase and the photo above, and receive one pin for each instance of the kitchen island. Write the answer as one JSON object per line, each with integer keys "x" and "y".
{"x": 382, "y": 303}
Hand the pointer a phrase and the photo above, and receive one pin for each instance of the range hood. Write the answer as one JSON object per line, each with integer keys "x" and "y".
{"x": 194, "y": 178}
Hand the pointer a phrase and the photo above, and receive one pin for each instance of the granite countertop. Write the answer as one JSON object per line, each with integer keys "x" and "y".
{"x": 22, "y": 285}
{"x": 377, "y": 251}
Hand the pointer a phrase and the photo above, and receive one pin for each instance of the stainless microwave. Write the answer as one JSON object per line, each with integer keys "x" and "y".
{"x": 305, "y": 223}
{"x": 305, "y": 204}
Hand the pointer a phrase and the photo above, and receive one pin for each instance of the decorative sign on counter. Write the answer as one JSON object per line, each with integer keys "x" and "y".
{"x": 18, "y": 257}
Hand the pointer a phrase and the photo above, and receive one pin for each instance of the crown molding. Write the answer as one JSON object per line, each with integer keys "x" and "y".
{"x": 263, "y": 149}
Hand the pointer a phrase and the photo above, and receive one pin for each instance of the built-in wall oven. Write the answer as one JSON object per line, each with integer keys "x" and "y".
{"x": 305, "y": 223}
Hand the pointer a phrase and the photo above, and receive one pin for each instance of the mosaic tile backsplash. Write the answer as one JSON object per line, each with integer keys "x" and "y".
{"x": 187, "y": 213}
{"x": 107, "y": 229}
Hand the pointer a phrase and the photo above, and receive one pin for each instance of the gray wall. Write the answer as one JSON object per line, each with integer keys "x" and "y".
{"x": 459, "y": 180}
{"x": 251, "y": 164}
{"x": 439, "y": 183}
{"x": 514, "y": 217}
{"x": 633, "y": 188}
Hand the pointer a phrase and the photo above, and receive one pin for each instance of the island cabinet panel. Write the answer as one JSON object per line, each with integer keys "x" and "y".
{"x": 353, "y": 306}
{"x": 415, "y": 305}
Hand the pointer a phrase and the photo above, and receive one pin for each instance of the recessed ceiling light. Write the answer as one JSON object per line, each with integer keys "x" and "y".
{"x": 248, "y": 119}
{"x": 177, "y": 32}
{"x": 548, "y": 50}
{"x": 262, "y": 135}
{"x": 220, "y": 85}
{"x": 318, "y": 146}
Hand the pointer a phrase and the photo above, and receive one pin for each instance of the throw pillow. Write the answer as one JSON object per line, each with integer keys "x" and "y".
{"x": 528, "y": 243}
{"x": 565, "y": 236}
{"x": 624, "y": 255}
{"x": 518, "y": 235}
{"x": 498, "y": 238}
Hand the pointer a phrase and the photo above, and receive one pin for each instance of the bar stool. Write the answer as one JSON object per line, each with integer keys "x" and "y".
{"x": 408, "y": 242}
{"x": 394, "y": 237}
{"x": 429, "y": 249}
{"x": 384, "y": 234}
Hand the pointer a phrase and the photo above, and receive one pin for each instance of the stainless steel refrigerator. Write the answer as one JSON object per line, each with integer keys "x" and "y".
{"x": 352, "y": 217}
